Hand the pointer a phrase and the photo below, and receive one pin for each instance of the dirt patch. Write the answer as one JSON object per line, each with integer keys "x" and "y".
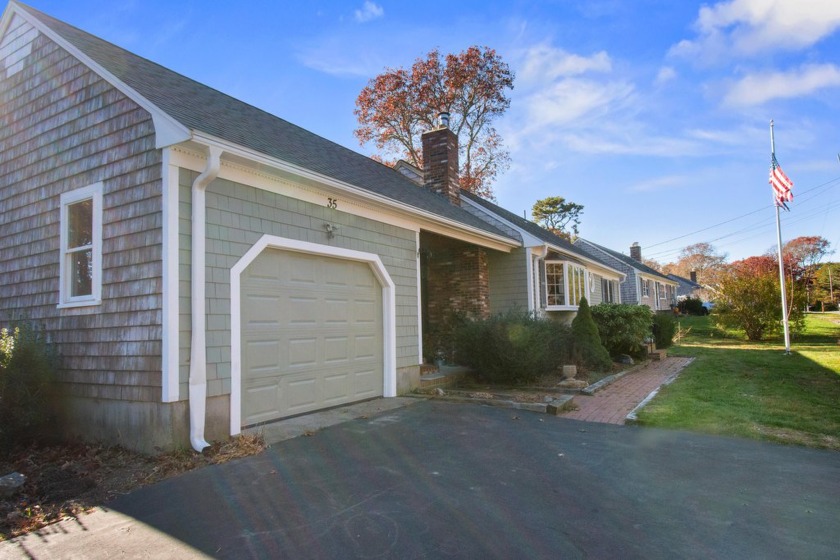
{"x": 64, "y": 481}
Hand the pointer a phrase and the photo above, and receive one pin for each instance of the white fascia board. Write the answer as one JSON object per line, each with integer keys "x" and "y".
{"x": 168, "y": 131}
{"x": 427, "y": 220}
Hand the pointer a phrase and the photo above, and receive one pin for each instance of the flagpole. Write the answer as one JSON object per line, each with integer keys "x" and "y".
{"x": 779, "y": 245}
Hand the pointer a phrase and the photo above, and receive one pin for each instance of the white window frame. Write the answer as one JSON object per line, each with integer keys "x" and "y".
{"x": 94, "y": 193}
{"x": 575, "y": 283}
{"x": 645, "y": 287}
{"x": 609, "y": 290}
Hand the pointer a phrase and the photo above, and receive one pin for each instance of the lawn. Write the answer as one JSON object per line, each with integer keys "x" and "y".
{"x": 746, "y": 389}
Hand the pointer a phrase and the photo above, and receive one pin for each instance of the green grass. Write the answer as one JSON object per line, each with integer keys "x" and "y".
{"x": 740, "y": 388}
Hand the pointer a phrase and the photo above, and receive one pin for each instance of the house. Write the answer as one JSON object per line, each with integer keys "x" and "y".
{"x": 687, "y": 287}
{"x": 643, "y": 285}
{"x": 548, "y": 275}
{"x": 203, "y": 266}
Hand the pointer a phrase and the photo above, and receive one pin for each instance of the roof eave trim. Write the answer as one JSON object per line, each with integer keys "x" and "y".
{"x": 282, "y": 165}
{"x": 168, "y": 131}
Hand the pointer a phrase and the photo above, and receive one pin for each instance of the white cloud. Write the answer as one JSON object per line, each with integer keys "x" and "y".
{"x": 661, "y": 183}
{"x": 759, "y": 88}
{"x": 754, "y": 27}
{"x": 542, "y": 63}
{"x": 665, "y": 75}
{"x": 369, "y": 11}
{"x": 572, "y": 100}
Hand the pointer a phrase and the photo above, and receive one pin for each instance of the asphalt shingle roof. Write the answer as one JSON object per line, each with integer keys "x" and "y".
{"x": 629, "y": 261}
{"x": 533, "y": 229}
{"x": 204, "y": 109}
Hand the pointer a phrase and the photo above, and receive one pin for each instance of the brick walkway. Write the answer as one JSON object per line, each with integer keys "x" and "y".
{"x": 613, "y": 403}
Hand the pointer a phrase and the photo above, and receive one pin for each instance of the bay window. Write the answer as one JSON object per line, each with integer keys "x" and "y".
{"x": 565, "y": 284}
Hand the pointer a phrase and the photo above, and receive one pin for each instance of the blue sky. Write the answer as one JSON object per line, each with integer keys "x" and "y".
{"x": 653, "y": 114}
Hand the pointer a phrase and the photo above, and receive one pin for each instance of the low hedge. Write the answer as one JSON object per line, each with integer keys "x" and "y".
{"x": 623, "y": 327}
{"x": 512, "y": 348}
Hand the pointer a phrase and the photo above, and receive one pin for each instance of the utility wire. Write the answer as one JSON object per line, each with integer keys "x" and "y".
{"x": 802, "y": 197}
{"x": 800, "y": 194}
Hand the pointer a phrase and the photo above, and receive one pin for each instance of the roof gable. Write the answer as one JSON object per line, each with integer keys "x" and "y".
{"x": 183, "y": 106}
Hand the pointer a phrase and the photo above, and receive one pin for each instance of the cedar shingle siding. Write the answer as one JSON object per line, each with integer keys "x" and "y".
{"x": 63, "y": 128}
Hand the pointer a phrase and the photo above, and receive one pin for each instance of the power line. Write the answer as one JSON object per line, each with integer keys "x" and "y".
{"x": 804, "y": 196}
{"x": 799, "y": 195}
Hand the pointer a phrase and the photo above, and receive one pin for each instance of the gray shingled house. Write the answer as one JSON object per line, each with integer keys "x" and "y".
{"x": 202, "y": 265}
{"x": 547, "y": 275}
{"x": 643, "y": 285}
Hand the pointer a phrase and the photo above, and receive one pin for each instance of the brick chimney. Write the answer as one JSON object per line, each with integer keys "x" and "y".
{"x": 440, "y": 161}
{"x": 636, "y": 251}
{"x": 693, "y": 275}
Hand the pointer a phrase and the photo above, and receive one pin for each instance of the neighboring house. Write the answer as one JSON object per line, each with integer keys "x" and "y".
{"x": 547, "y": 275}
{"x": 203, "y": 266}
{"x": 555, "y": 274}
{"x": 643, "y": 285}
{"x": 687, "y": 287}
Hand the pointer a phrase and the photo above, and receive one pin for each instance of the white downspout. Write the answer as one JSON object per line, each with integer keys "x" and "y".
{"x": 198, "y": 345}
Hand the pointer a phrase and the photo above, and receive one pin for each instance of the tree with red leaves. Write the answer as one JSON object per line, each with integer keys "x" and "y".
{"x": 747, "y": 298}
{"x": 399, "y": 105}
{"x": 801, "y": 257}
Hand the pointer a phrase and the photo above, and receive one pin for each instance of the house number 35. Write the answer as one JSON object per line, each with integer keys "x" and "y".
{"x": 332, "y": 203}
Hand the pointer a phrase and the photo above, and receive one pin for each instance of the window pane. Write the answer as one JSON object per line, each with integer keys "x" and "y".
{"x": 81, "y": 273}
{"x": 80, "y": 224}
{"x": 555, "y": 289}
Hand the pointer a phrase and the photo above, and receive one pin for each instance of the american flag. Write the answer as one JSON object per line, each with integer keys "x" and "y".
{"x": 782, "y": 186}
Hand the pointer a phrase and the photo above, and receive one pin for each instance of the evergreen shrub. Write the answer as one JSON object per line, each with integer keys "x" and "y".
{"x": 623, "y": 327}
{"x": 28, "y": 386}
{"x": 512, "y": 348}
{"x": 664, "y": 329}
{"x": 587, "y": 349}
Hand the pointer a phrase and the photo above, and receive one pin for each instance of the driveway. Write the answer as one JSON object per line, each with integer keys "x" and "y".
{"x": 442, "y": 480}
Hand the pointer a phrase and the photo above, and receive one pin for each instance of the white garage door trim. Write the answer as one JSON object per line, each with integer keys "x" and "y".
{"x": 389, "y": 336}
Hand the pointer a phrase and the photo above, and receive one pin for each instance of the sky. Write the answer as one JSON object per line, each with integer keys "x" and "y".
{"x": 653, "y": 114}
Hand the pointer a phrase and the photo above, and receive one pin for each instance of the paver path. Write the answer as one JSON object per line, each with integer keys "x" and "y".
{"x": 613, "y": 403}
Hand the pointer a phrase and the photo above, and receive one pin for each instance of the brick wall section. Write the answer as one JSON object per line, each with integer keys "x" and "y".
{"x": 63, "y": 128}
{"x": 457, "y": 282}
{"x": 440, "y": 164}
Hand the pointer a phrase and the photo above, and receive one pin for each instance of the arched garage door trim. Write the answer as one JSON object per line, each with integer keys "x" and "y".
{"x": 389, "y": 336}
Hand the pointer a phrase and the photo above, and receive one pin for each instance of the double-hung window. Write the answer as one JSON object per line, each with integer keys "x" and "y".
{"x": 609, "y": 290}
{"x": 80, "y": 268}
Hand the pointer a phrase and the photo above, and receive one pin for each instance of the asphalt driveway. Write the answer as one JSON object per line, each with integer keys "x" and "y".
{"x": 441, "y": 480}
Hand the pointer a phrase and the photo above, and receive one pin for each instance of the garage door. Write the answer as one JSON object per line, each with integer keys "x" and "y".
{"x": 311, "y": 334}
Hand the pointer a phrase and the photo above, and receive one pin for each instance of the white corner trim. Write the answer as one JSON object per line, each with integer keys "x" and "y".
{"x": 168, "y": 130}
{"x": 389, "y": 311}
{"x": 419, "y": 302}
{"x": 170, "y": 373}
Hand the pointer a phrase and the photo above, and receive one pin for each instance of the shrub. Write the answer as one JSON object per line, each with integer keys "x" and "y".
{"x": 692, "y": 306}
{"x": 623, "y": 327}
{"x": 28, "y": 395}
{"x": 587, "y": 349}
{"x": 664, "y": 329}
{"x": 511, "y": 348}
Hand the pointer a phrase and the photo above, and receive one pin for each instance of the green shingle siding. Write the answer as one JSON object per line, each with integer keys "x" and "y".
{"x": 237, "y": 216}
